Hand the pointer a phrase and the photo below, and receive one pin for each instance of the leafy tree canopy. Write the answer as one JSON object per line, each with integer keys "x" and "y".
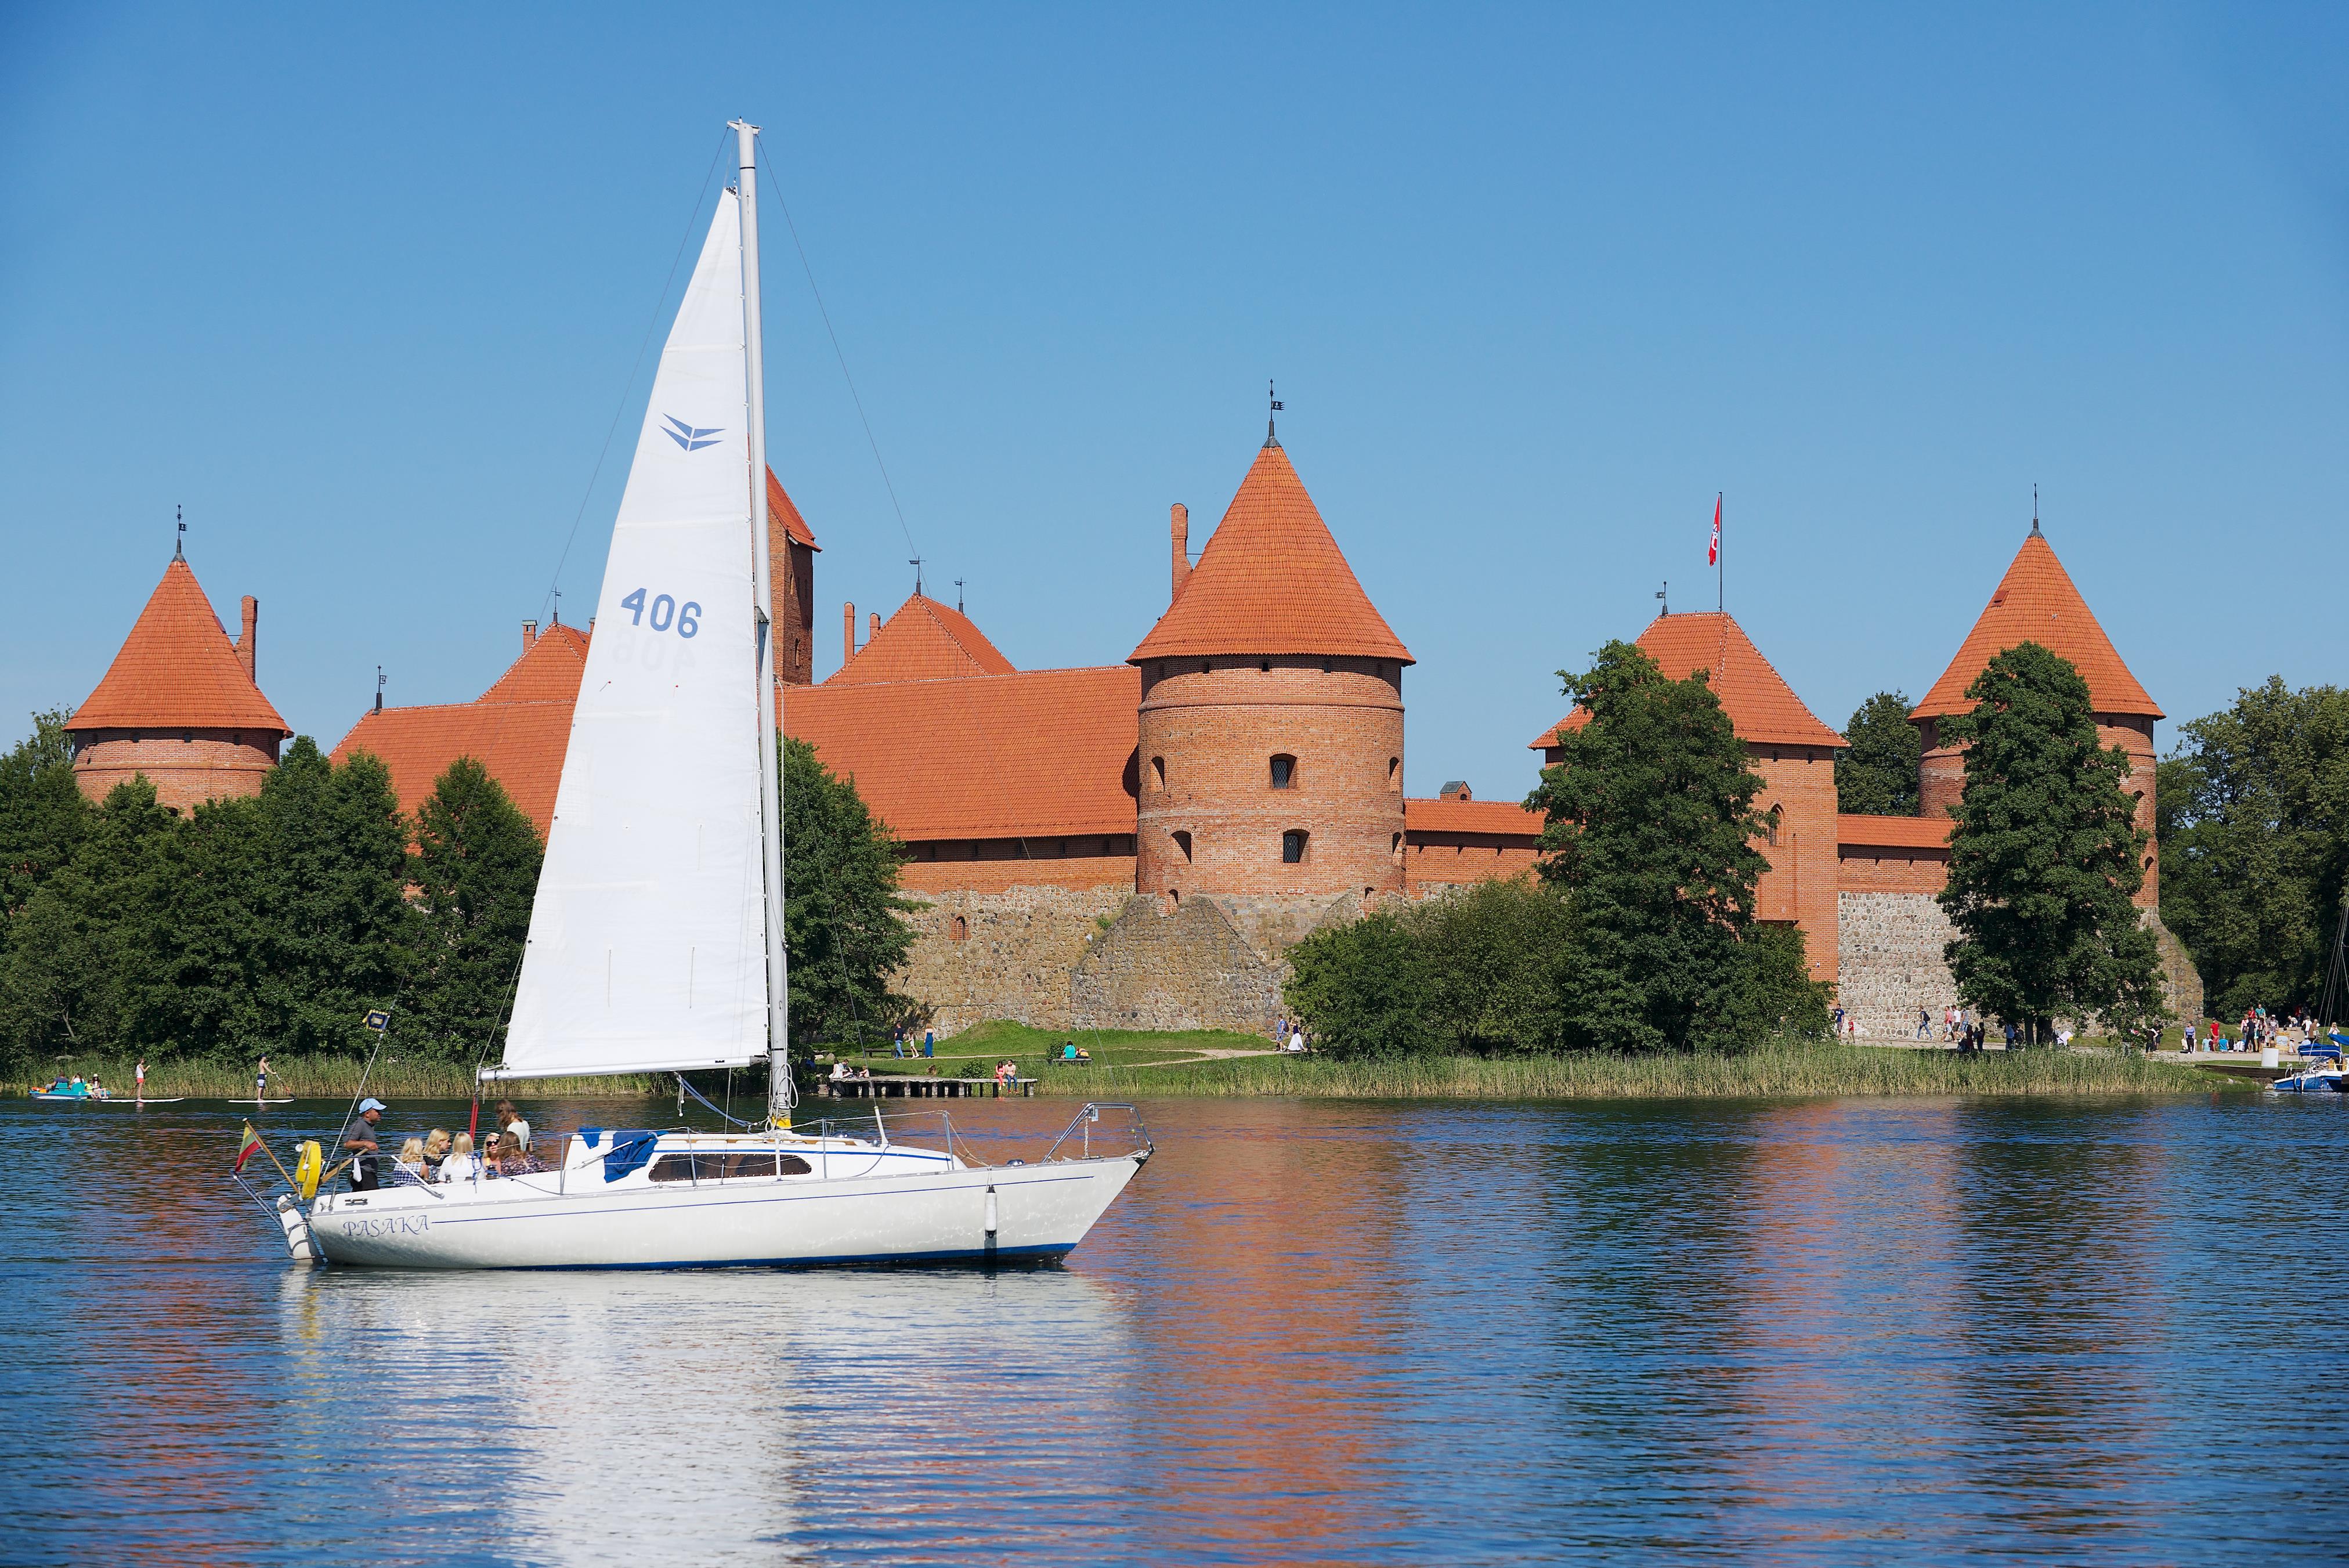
{"x": 2046, "y": 856}
{"x": 842, "y": 913}
{"x": 2252, "y": 808}
{"x": 1877, "y": 776}
{"x": 475, "y": 874}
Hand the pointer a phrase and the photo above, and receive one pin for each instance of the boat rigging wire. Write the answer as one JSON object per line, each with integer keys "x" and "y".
{"x": 767, "y": 165}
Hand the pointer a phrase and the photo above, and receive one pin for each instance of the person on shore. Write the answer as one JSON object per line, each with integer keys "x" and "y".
{"x": 897, "y": 1043}
{"x": 930, "y": 1042}
{"x": 509, "y": 1121}
{"x": 462, "y": 1165}
{"x": 2185, "y": 1039}
{"x": 359, "y": 1145}
{"x": 1297, "y": 1042}
{"x": 842, "y": 1072}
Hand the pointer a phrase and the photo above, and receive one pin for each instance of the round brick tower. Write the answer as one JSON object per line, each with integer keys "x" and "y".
{"x": 179, "y": 705}
{"x": 1271, "y": 719}
{"x": 2036, "y": 602}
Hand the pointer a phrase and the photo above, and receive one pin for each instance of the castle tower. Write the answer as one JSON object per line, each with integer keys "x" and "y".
{"x": 791, "y": 555}
{"x": 1270, "y": 755}
{"x": 179, "y": 705}
{"x": 2036, "y": 602}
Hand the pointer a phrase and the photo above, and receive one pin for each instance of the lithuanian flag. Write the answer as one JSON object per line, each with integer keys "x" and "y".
{"x": 247, "y": 1149}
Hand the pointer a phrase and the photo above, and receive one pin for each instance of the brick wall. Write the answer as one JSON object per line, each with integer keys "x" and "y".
{"x": 1889, "y": 962}
{"x": 1799, "y": 783}
{"x": 1435, "y": 860}
{"x": 187, "y": 767}
{"x": 1891, "y": 868}
{"x": 1207, "y": 740}
{"x": 795, "y": 591}
{"x": 990, "y": 865}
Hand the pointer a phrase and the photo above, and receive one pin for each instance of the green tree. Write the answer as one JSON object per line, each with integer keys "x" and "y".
{"x": 475, "y": 873}
{"x": 2252, "y": 810}
{"x": 1650, "y": 829}
{"x": 1363, "y": 989}
{"x": 1493, "y": 957}
{"x": 2044, "y": 859}
{"x": 842, "y": 916}
{"x": 42, "y": 814}
{"x": 1877, "y": 775}
{"x": 337, "y": 928}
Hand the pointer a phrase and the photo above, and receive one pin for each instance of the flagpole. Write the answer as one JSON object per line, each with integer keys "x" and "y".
{"x": 1719, "y": 561}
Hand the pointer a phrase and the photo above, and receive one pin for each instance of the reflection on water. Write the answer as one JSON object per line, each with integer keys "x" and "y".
{"x": 1365, "y": 1333}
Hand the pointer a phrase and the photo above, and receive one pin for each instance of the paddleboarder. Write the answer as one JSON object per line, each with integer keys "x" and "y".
{"x": 260, "y": 1082}
{"x": 139, "y": 1089}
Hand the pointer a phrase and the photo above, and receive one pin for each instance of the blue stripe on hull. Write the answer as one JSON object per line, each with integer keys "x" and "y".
{"x": 959, "y": 1255}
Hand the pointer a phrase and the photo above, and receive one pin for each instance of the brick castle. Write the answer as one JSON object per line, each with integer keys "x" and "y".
{"x": 1138, "y": 844}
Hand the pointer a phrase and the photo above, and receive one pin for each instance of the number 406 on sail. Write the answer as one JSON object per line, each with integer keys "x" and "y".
{"x": 665, "y": 610}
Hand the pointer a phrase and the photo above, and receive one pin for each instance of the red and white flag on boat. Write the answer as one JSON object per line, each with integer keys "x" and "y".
{"x": 1712, "y": 551}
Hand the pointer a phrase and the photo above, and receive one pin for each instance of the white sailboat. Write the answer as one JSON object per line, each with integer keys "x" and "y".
{"x": 657, "y": 939}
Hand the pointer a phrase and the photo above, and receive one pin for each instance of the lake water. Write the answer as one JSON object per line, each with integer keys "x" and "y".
{"x": 1310, "y": 1332}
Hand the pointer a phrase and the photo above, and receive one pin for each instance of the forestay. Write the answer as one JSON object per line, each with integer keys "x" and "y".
{"x": 647, "y": 941}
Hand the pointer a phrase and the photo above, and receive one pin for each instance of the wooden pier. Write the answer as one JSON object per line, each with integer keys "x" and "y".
{"x": 906, "y": 1086}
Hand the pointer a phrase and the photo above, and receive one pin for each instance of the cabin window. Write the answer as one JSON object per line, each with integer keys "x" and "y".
{"x": 1292, "y": 847}
{"x": 1183, "y": 843}
{"x": 1283, "y": 770}
{"x": 958, "y": 928}
{"x": 1158, "y": 772}
{"x": 722, "y": 1165}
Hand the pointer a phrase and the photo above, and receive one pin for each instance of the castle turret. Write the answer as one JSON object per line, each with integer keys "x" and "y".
{"x": 179, "y": 705}
{"x": 791, "y": 552}
{"x": 2036, "y": 602}
{"x": 1271, "y": 753}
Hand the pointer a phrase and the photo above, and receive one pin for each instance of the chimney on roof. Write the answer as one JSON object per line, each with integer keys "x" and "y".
{"x": 847, "y": 632}
{"x": 245, "y": 639}
{"x": 529, "y": 634}
{"x": 872, "y": 626}
{"x": 1178, "y": 525}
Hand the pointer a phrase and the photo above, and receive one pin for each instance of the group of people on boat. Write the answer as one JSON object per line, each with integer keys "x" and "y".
{"x": 435, "y": 1157}
{"x": 77, "y": 1087}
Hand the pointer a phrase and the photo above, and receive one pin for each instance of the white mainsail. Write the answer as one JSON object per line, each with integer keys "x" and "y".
{"x": 647, "y": 941}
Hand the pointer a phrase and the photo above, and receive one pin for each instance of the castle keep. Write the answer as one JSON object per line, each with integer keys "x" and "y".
{"x": 1138, "y": 844}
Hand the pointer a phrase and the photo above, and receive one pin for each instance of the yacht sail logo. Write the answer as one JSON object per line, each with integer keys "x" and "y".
{"x": 690, "y": 439}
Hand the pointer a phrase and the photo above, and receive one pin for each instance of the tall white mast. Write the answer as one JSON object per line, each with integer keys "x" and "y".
{"x": 762, "y": 610}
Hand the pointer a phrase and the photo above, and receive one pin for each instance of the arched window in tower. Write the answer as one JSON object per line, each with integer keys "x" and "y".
{"x": 1182, "y": 841}
{"x": 958, "y": 928}
{"x": 1284, "y": 772}
{"x": 1770, "y": 825}
{"x": 1158, "y": 773}
{"x": 1394, "y": 847}
{"x": 1394, "y": 772}
{"x": 1293, "y": 846}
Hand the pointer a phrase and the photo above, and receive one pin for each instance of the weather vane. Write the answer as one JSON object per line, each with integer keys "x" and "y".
{"x": 557, "y": 620}
{"x": 378, "y": 688}
{"x": 2035, "y": 511}
{"x": 1662, "y": 600}
{"x": 916, "y": 561}
{"x": 180, "y": 545}
{"x": 957, "y": 595}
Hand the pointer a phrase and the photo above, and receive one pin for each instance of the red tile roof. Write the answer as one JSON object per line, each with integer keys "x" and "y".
{"x": 176, "y": 669}
{"x": 1043, "y": 752}
{"x": 778, "y": 505}
{"x": 519, "y": 730}
{"x": 2036, "y": 602}
{"x": 924, "y": 640}
{"x": 1271, "y": 580}
{"x": 1894, "y": 832}
{"x": 1759, "y": 701}
{"x": 1451, "y": 815}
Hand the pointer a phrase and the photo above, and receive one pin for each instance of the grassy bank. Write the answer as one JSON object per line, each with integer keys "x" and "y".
{"x": 1766, "y": 1071}
{"x": 331, "y": 1077}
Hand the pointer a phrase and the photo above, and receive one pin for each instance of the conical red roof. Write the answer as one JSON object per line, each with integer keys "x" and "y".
{"x": 1756, "y": 698}
{"x": 2036, "y": 602}
{"x": 176, "y": 669}
{"x": 1271, "y": 580}
{"x": 924, "y": 640}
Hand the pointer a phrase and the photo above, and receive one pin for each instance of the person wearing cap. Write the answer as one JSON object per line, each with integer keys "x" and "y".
{"x": 358, "y": 1142}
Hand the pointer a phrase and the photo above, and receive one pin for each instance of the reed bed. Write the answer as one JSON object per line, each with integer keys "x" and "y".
{"x": 332, "y": 1077}
{"x": 1773, "y": 1071}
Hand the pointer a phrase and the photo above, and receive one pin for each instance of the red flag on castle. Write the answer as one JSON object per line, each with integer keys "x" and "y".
{"x": 1712, "y": 551}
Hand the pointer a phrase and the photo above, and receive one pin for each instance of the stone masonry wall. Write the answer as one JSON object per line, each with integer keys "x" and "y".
{"x": 1163, "y": 965}
{"x": 1007, "y": 953}
{"x": 1889, "y": 962}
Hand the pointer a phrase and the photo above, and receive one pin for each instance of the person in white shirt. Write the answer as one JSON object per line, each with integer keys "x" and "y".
{"x": 509, "y": 1121}
{"x": 461, "y": 1164}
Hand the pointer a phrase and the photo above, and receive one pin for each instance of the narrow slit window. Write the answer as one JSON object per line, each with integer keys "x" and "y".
{"x": 1183, "y": 843}
{"x": 1292, "y": 847}
{"x": 1284, "y": 772}
{"x": 958, "y": 928}
{"x": 1158, "y": 773}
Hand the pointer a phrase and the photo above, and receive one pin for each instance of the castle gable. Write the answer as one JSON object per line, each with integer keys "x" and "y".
{"x": 2036, "y": 602}
{"x": 1272, "y": 580}
{"x": 924, "y": 640}
{"x": 178, "y": 670}
{"x": 1757, "y": 698}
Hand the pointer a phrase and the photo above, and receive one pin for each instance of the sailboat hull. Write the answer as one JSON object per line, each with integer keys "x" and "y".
{"x": 941, "y": 1216}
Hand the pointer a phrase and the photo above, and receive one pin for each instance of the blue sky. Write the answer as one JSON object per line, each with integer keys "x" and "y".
{"x": 363, "y": 289}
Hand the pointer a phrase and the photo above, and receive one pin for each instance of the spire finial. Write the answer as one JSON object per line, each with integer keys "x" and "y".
{"x": 2034, "y": 514}
{"x": 957, "y": 595}
{"x": 557, "y": 620}
{"x": 378, "y": 688}
{"x": 916, "y": 561}
{"x": 1666, "y": 604}
{"x": 1272, "y": 397}
{"x": 180, "y": 545}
